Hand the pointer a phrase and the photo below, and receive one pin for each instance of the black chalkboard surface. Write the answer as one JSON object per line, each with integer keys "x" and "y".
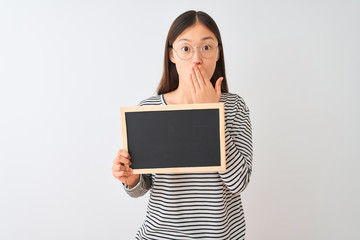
{"x": 175, "y": 138}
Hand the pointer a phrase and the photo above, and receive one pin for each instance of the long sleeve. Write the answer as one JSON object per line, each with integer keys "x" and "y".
{"x": 238, "y": 142}
{"x": 141, "y": 187}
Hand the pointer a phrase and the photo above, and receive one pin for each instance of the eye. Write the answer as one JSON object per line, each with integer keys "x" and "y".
{"x": 206, "y": 47}
{"x": 185, "y": 49}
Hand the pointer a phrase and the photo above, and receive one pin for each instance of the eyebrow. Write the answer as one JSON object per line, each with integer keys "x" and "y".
{"x": 203, "y": 39}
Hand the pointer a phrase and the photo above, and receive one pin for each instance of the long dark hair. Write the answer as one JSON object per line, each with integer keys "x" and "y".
{"x": 170, "y": 78}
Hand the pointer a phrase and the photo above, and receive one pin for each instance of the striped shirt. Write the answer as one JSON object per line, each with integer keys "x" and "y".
{"x": 203, "y": 205}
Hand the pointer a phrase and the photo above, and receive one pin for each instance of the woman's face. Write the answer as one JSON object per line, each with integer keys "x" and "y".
{"x": 197, "y": 36}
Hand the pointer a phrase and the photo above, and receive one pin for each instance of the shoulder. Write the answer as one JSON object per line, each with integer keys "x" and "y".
{"x": 233, "y": 102}
{"x": 153, "y": 100}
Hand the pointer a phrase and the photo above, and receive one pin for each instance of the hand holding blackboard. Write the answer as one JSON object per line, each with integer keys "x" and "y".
{"x": 175, "y": 138}
{"x": 122, "y": 171}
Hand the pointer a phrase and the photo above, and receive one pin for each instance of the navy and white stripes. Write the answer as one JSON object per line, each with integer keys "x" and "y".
{"x": 201, "y": 205}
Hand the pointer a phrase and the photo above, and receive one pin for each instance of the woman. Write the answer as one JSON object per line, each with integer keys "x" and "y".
{"x": 197, "y": 205}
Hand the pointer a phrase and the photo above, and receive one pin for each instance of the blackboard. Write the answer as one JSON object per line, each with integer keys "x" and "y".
{"x": 175, "y": 138}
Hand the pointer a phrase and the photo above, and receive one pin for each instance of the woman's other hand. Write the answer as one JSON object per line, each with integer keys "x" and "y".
{"x": 122, "y": 171}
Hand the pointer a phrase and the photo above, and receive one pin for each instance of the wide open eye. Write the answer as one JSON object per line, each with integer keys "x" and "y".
{"x": 185, "y": 48}
{"x": 206, "y": 48}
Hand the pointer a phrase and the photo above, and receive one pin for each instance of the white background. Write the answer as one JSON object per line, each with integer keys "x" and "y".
{"x": 66, "y": 67}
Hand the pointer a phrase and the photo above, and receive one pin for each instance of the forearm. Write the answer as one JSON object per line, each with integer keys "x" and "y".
{"x": 140, "y": 188}
{"x": 238, "y": 167}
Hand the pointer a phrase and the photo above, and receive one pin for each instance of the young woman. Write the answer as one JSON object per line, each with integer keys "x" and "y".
{"x": 197, "y": 205}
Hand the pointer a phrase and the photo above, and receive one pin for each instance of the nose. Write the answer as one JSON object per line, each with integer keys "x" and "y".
{"x": 196, "y": 59}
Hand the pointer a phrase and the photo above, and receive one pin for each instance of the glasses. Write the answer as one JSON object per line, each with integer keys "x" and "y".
{"x": 207, "y": 50}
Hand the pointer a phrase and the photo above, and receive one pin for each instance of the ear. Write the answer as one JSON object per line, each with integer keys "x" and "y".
{"x": 171, "y": 55}
{"x": 218, "y": 54}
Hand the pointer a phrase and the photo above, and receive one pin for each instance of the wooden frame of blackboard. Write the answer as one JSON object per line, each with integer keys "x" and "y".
{"x": 183, "y": 169}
